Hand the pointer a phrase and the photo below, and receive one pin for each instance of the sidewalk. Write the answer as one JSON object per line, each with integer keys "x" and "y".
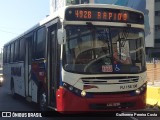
{"x": 153, "y": 93}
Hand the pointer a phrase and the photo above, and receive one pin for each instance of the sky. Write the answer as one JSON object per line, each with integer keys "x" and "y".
{"x": 16, "y": 16}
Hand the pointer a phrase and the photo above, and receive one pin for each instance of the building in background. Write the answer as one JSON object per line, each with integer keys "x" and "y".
{"x": 154, "y": 12}
{"x": 150, "y": 8}
{"x": 57, "y": 4}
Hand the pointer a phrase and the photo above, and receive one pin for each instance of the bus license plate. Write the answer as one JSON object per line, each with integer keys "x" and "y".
{"x": 113, "y": 104}
{"x": 107, "y": 68}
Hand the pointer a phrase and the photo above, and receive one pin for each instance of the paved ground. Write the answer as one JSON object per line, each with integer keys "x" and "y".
{"x": 153, "y": 94}
{"x": 156, "y": 83}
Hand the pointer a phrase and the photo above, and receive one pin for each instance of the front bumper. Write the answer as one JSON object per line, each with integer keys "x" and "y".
{"x": 67, "y": 101}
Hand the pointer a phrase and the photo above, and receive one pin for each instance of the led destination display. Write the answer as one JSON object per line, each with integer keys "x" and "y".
{"x": 103, "y": 14}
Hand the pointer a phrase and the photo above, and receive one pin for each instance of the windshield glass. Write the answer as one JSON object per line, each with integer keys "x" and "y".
{"x": 93, "y": 49}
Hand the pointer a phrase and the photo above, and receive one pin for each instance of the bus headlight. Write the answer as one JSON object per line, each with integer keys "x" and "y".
{"x": 1, "y": 79}
{"x": 138, "y": 91}
{"x": 70, "y": 88}
{"x": 77, "y": 91}
{"x": 144, "y": 85}
{"x": 83, "y": 93}
{"x": 141, "y": 89}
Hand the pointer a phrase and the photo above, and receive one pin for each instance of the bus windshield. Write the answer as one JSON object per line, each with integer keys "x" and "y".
{"x": 97, "y": 50}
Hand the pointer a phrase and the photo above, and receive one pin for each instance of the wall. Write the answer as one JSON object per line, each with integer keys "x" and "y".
{"x": 153, "y": 72}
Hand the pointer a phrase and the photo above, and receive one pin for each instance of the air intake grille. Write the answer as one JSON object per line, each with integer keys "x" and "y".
{"x": 110, "y": 80}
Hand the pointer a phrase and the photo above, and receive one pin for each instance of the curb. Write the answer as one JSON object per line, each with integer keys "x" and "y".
{"x": 153, "y": 95}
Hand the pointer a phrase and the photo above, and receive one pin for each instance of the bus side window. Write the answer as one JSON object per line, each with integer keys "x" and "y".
{"x": 8, "y": 53}
{"x": 12, "y": 52}
{"x": 5, "y": 54}
{"x": 16, "y": 51}
{"x": 22, "y": 49}
{"x": 40, "y": 43}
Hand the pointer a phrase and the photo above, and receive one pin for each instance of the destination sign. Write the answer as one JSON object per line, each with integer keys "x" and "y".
{"x": 104, "y": 14}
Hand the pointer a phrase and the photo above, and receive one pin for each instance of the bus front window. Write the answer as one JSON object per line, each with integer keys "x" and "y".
{"x": 100, "y": 50}
{"x": 128, "y": 50}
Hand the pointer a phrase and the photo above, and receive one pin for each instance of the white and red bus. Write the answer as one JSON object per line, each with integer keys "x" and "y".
{"x": 82, "y": 58}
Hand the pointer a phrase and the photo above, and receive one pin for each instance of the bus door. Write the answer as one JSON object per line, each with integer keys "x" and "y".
{"x": 28, "y": 60}
{"x": 53, "y": 69}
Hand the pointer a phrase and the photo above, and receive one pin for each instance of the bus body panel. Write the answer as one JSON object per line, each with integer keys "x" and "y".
{"x": 15, "y": 72}
{"x": 106, "y": 82}
{"x": 68, "y": 102}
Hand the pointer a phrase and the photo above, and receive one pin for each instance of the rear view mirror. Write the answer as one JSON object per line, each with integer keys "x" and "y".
{"x": 61, "y": 35}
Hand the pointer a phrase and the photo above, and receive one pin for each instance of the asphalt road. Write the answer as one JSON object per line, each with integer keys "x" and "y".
{"x": 18, "y": 104}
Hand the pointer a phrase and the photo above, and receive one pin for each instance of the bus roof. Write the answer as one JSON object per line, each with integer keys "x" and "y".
{"x": 60, "y": 14}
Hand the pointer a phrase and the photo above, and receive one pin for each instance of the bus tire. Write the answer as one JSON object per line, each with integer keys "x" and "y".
{"x": 13, "y": 89}
{"x": 42, "y": 100}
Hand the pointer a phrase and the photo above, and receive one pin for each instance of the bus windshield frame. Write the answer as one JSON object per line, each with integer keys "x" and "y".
{"x": 104, "y": 49}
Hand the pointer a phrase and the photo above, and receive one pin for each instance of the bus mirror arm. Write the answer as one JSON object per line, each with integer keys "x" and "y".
{"x": 61, "y": 35}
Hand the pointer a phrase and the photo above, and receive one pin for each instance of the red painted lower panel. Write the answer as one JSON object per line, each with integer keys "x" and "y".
{"x": 67, "y": 101}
